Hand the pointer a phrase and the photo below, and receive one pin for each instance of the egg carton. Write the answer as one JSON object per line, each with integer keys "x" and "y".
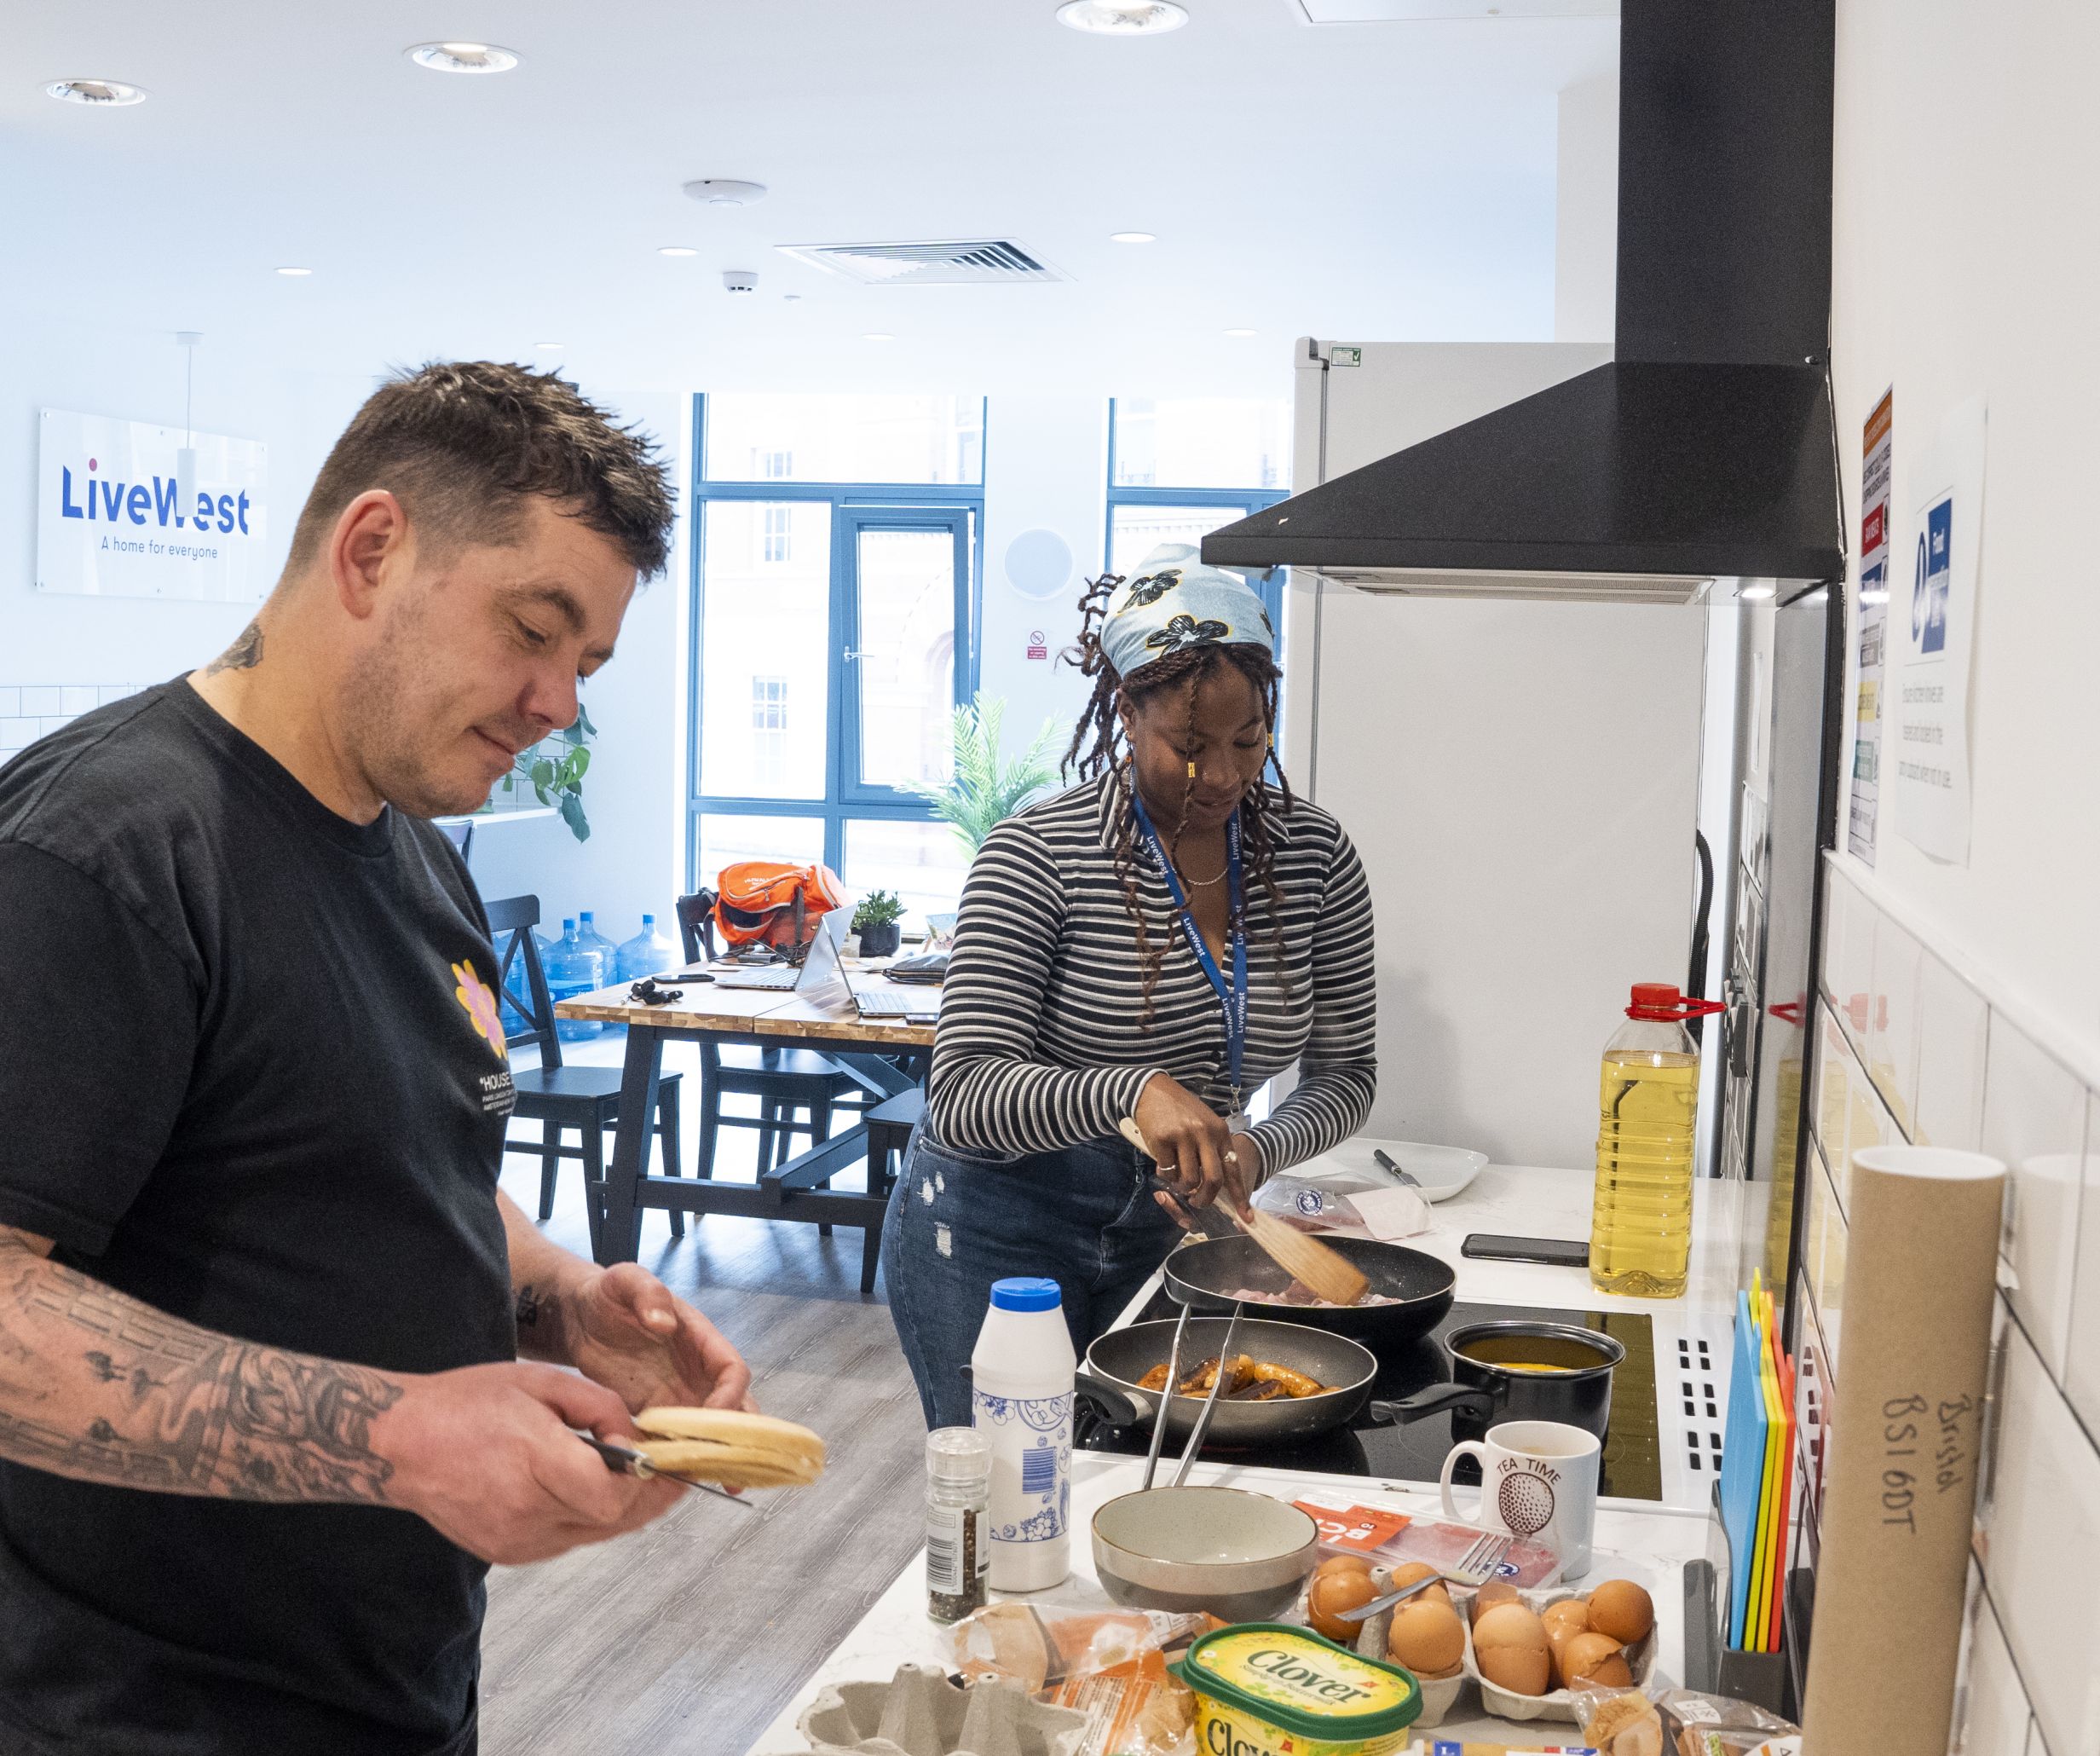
{"x": 1438, "y": 1694}
{"x": 920, "y": 1713}
{"x": 1557, "y": 1703}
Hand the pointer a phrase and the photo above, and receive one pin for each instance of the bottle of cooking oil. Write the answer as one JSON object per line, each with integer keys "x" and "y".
{"x": 1640, "y": 1225}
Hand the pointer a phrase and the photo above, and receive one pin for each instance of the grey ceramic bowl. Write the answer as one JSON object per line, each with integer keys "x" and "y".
{"x": 1239, "y": 1555}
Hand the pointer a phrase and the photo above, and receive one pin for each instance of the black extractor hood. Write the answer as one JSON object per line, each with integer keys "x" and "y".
{"x": 1706, "y": 450}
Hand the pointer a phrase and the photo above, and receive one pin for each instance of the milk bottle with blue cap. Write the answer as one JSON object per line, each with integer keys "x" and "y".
{"x": 1021, "y": 1377}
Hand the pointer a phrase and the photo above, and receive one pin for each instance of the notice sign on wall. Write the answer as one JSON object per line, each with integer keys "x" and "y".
{"x": 113, "y": 519}
{"x": 1932, "y": 618}
{"x": 1873, "y": 623}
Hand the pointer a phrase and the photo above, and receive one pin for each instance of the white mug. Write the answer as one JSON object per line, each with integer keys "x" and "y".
{"x": 1538, "y": 1481}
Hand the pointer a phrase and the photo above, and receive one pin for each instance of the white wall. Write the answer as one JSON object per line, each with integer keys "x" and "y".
{"x": 1966, "y": 999}
{"x": 137, "y": 375}
{"x": 1585, "y": 236}
{"x": 634, "y": 860}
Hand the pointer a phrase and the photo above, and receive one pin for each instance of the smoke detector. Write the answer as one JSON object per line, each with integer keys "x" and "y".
{"x": 739, "y": 280}
{"x": 724, "y": 192}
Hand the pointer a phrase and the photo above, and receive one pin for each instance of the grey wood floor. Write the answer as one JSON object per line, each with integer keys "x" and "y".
{"x": 687, "y": 1638}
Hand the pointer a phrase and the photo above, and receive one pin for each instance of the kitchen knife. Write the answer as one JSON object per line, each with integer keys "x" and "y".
{"x": 624, "y": 1460}
{"x": 1379, "y": 1155}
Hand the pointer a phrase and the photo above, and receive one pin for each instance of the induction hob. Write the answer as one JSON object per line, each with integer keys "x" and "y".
{"x": 1632, "y": 1463}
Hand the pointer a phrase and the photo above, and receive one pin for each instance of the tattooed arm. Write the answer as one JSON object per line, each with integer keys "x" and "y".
{"x": 101, "y": 1387}
{"x": 619, "y": 1326}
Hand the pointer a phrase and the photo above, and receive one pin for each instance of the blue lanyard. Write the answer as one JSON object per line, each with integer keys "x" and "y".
{"x": 1233, "y": 995}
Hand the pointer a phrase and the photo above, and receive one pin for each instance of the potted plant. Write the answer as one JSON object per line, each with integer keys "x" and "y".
{"x": 875, "y": 922}
{"x": 554, "y": 768}
{"x": 985, "y": 791}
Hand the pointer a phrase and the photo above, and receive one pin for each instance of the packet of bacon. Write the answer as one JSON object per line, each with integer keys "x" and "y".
{"x": 1391, "y": 1538}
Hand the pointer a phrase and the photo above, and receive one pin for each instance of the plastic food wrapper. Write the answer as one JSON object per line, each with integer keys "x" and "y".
{"x": 1353, "y": 1204}
{"x": 1393, "y": 1539}
{"x": 1469, "y": 1747}
{"x": 1686, "y": 1722}
{"x": 1111, "y": 1665}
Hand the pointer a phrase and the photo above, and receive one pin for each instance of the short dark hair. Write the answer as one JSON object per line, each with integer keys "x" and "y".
{"x": 464, "y": 443}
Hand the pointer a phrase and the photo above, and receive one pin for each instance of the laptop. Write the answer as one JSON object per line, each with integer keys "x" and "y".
{"x": 878, "y": 999}
{"x": 820, "y": 971}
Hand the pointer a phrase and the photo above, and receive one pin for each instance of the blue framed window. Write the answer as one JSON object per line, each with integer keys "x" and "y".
{"x": 1178, "y": 469}
{"x": 834, "y": 628}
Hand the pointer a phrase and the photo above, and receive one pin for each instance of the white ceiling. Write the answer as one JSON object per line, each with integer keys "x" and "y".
{"x": 1391, "y": 180}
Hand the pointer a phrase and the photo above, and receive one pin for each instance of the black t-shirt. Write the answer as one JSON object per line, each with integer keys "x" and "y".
{"x": 249, "y": 1073}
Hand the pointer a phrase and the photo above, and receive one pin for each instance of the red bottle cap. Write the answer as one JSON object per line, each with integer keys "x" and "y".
{"x": 1662, "y": 1002}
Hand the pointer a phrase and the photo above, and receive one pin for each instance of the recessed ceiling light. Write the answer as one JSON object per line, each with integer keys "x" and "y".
{"x": 1134, "y": 238}
{"x": 1122, "y": 18}
{"x": 676, "y": 250}
{"x": 1237, "y": 332}
{"x": 547, "y": 347}
{"x": 463, "y": 57}
{"x": 294, "y": 274}
{"x": 877, "y": 335}
{"x": 107, "y": 93}
{"x": 1755, "y": 594}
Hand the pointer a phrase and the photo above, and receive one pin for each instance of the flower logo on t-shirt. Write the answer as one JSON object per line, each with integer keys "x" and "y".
{"x": 480, "y": 1004}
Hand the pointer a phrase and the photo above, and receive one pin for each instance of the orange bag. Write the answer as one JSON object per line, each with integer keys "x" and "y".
{"x": 772, "y": 902}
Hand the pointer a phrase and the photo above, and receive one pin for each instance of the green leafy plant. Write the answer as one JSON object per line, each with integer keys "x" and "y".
{"x": 984, "y": 791}
{"x": 878, "y": 908}
{"x": 554, "y": 768}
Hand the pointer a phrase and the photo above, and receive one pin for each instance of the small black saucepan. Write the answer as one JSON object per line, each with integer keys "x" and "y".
{"x": 1518, "y": 1370}
{"x": 1207, "y": 1274}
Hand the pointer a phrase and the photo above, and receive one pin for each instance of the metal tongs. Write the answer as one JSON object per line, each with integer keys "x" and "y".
{"x": 626, "y": 1460}
{"x": 1171, "y": 1389}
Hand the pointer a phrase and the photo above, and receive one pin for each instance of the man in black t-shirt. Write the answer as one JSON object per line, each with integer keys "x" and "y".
{"x": 262, "y": 1421}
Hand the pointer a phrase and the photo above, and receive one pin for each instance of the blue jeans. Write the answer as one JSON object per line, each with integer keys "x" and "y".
{"x": 1083, "y": 1217}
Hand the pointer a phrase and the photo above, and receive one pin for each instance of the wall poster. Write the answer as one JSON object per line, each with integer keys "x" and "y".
{"x": 1873, "y": 625}
{"x": 1933, "y": 629}
{"x": 112, "y": 520}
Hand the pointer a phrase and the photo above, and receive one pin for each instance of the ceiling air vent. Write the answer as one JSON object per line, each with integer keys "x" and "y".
{"x": 968, "y": 262}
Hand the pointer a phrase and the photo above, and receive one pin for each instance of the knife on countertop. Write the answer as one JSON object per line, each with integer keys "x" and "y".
{"x": 1388, "y": 1162}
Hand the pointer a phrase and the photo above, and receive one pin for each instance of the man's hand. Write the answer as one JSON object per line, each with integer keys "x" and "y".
{"x": 623, "y": 1328}
{"x": 486, "y": 1454}
{"x": 1190, "y": 1143}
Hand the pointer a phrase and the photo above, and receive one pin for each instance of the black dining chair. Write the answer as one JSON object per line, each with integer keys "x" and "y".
{"x": 798, "y": 1089}
{"x": 561, "y": 1097}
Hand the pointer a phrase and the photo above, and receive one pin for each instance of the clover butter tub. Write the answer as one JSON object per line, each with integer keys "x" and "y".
{"x": 1266, "y": 1688}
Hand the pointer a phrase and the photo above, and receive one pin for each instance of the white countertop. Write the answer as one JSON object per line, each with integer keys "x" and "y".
{"x": 1635, "y": 1540}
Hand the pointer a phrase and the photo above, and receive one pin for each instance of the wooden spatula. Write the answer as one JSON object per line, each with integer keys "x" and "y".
{"x": 1325, "y": 1271}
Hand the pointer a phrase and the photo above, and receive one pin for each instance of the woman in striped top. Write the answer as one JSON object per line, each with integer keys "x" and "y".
{"x": 1108, "y": 939}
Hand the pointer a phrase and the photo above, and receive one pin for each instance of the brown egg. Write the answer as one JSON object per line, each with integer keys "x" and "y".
{"x": 1427, "y": 1638}
{"x": 1338, "y": 1592}
{"x": 1342, "y": 1564}
{"x": 1509, "y": 1646}
{"x": 1493, "y": 1593}
{"x": 1622, "y": 1609}
{"x": 1409, "y": 1572}
{"x": 1595, "y": 1658}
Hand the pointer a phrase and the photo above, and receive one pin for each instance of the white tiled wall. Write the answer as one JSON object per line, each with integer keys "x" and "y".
{"x": 29, "y": 710}
{"x": 1908, "y": 1050}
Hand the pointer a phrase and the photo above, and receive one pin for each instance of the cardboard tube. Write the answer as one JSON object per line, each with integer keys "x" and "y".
{"x": 1900, "y": 1484}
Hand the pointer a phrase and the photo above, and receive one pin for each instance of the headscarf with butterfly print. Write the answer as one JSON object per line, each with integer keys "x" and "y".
{"x": 1173, "y": 602}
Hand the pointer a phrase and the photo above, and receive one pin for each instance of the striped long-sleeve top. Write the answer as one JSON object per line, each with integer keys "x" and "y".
{"x": 1042, "y": 1043}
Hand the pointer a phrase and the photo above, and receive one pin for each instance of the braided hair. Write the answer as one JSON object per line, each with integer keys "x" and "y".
{"x": 1100, "y": 746}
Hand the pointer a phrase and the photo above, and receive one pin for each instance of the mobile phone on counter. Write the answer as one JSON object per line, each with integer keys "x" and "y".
{"x": 1557, "y": 1252}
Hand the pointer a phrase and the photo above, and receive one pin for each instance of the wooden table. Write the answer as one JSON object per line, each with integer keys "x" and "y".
{"x": 771, "y": 1018}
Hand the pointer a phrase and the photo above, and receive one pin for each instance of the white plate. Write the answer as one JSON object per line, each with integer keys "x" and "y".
{"x": 1442, "y": 1171}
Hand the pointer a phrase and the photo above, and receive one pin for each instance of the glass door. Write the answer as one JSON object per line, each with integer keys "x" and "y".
{"x": 904, "y": 617}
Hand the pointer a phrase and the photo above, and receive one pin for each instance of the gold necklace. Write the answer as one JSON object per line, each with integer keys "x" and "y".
{"x": 1202, "y": 883}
